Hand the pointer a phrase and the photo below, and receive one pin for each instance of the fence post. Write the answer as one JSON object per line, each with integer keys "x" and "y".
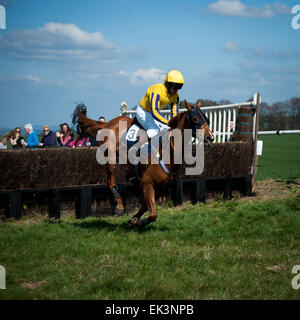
{"x": 248, "y": 185}
{"x": 178, "y": 192}
{"x": 228, "y": 188}
{"x": 255, "y": 157}
{"x": 84, "y": 203}
{"x": 14, "y": 207}
{"x": 200, "y": 191}
{"x": 54, "y": 204}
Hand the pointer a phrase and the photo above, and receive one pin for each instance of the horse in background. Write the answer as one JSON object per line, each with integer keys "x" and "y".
{"x": 89, "y": 128}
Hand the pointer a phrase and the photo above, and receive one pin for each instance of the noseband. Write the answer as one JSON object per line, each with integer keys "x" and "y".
{"x": 204, "y": 120}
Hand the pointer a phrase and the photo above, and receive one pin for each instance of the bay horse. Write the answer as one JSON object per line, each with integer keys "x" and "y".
{"x": 153, "y": 177}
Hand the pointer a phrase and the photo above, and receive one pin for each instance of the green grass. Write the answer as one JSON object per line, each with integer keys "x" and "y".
{"x": 214, "y": 251}
{"x": 280, "y": 158}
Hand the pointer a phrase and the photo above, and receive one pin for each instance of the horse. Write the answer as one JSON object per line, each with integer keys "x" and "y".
{"x": 152, "y": 176}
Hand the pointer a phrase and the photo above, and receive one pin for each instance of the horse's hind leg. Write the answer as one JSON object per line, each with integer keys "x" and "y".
{"x": 119, "y": 209}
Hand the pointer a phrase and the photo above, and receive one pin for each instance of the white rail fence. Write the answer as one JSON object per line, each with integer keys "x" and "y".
{"x": 222, "y": 118}
{"x": 280, "y": 132}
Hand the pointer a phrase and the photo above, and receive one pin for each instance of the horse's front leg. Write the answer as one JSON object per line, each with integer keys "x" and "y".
{"x": 119, "y": 209}
{"x": 149, "y": 196}
{"x": 135, "y": 219}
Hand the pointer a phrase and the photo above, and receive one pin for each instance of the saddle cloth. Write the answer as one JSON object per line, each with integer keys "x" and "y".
{"x": 131, "y": 134}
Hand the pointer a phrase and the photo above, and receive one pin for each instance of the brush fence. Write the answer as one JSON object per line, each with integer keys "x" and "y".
{"x": 56, "y": 172}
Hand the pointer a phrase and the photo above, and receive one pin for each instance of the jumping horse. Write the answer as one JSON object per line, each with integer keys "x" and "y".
{"x": 152, "y": 176}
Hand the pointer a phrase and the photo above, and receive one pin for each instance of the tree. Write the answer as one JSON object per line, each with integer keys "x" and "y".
{"x": 294, "y": 112}
{"x": 224, "y": 101}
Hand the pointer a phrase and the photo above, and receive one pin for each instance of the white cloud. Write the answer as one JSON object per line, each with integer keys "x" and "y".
{"x": 57, "y": 41}
{"x": 261, "y": 80}
{"x": 18, "y": 82}
{"x": 285, "y": 69}
{"x": 232, "y": 47}
{"x": 238, "y": 8}
{"x": 134, "y": 53}
{"x": 124, "y": 73}
{"x": 33, "y": 78}
{"x": 262, "y": 52}
{"x": 142, "y": 76}
{"x": 281, "y": 8}
{"x": 70, "y": 35}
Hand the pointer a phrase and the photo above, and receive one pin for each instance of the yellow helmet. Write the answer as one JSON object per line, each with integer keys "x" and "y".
{"x": 174, "y": 76}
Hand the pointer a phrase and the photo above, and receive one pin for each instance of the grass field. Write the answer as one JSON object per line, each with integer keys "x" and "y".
{"x": 231, "y": 250}
{"x": 239, "y": 249}
{"x": 280, "y": 158}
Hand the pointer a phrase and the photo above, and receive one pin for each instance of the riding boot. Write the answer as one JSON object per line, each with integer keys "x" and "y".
{"x": 155, "y": 142}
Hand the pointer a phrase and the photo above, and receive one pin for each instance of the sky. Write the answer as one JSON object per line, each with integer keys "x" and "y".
{"x": 56, "y": 53}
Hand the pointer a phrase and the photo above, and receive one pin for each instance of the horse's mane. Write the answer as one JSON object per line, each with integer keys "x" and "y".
{"x": 173, "y": 123}
{"x": 86, "y": 127}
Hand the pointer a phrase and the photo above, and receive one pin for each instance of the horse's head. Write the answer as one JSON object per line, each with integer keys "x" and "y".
{"x": 197, "y": 120}
{"x": 78, "y": 115}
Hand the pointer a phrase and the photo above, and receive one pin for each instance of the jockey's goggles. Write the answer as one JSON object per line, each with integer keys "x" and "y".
{"x": 174, "y": 85}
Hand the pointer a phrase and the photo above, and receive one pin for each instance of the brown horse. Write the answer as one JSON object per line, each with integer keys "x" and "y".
{"x": 153, "y": 177}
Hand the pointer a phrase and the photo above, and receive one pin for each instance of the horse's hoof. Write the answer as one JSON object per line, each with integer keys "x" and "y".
{"x": 130, "y": 226}
{"x": 118, "y": 212}
{"x": 133, "y": 221}
{"x": 143, "y": 222}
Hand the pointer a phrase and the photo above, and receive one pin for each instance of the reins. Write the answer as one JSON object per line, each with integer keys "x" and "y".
{"x": 199, "y": 112}
{"x": 188, "y": 119}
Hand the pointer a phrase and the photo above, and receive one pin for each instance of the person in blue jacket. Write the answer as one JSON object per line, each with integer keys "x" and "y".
{"x": 32, "y": 140}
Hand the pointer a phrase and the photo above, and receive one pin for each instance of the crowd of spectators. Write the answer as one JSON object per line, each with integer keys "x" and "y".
{"x": 65, "y": 137}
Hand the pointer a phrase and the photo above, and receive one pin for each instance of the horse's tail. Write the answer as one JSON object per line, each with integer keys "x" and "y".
{"x": 86, "y": 127}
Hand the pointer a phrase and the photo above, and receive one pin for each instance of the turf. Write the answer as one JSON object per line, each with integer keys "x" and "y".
{"x": 280, "y": 158}
{"x": 223, "y": 250}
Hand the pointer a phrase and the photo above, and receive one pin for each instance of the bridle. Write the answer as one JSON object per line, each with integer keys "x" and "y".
{"x": 204, "y": 118}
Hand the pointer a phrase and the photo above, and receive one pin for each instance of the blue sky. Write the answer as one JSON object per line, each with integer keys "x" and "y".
{"x": 56, "y": 53}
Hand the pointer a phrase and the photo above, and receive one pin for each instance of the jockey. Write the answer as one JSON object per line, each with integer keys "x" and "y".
{"x": 158, "y": 96}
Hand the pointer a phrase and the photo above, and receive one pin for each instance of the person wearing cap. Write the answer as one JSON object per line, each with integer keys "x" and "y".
{"x": 157, "y": 97}
{"x": 148, "y": 112}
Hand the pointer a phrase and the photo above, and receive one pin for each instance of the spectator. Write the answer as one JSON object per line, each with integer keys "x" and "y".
{"x": 93, "y": 142}
{"x": 15, "y": 138}
{"x": 48, "y": 139}
{"x": 32, "y": 140}
{"x": 65, "y": 136}
{"x": 101, "y": 119}
{"x": 80, "y": 142}
{"x": 123, "y": 107}
{"x": 3, "y": 145}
